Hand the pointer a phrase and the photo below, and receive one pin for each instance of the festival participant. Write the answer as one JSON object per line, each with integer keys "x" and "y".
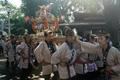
{"x": 5, "y": 54}
{"x": 65, "y": 28}
{"x": 65, "y": 56}
{"x": 92, "y": 68}
{"x": 43, "y": 54}
{"x": 80, "y": 63}
{"x": 36, "y": 42}
{"x": 98, "y": 61}
{"x": 33, "y": 46}
{"x": 85, "y": 65}
{"x": 108, "y": 54}
{"x": 25, "y": 49}
{"x": 10, "y": 49}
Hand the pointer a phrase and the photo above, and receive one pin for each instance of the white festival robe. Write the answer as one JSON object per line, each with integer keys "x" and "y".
{"x": 42, "y": 53}
{"x": 63, "y": 54}
{"x": 11, "y": 53}
{"x": 23, "y": 46}
{"x": 113, "y": 57}
{"x": 84, "y": 58}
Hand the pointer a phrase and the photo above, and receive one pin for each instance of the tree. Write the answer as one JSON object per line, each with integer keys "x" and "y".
{"x": 60, "y": 7}
{"x": 16, "y": 18}
{"x": 112, "y": 17}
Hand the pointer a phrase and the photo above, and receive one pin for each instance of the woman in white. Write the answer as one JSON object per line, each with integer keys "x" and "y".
{"x": 5, "y": 54}
{"x": 65, "y": 57}
{"x": 85, "y": 66}
{"x": 10, "y": 49}
{"x": 43, "y": 53}
{"x": 109, "y": 55}
{"x": 25, "y": 49}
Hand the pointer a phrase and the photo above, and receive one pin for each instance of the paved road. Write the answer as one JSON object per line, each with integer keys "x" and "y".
{"x": 5, "y": 73}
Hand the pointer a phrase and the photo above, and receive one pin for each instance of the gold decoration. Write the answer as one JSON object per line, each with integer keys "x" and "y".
{"x": 104, "y": 35}
{"x": 42, "y": 6}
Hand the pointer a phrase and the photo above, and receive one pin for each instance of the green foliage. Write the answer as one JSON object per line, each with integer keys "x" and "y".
{"x": 16, "y": 18}
{"x": 59, "y": 7}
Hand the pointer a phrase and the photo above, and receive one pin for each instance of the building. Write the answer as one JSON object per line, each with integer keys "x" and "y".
{"x": 86, "y": 23}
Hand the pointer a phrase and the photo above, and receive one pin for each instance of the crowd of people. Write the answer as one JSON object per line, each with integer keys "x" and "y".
{"x": 89, "y": 58}
{"x": 19, "y": 53}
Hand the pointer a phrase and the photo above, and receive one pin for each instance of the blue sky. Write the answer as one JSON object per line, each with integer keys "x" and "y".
{"x": 17, "y": 3}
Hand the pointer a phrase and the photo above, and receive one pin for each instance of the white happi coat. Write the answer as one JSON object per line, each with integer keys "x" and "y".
{"x": 42, "y": 53}
{"x": 4, "y": 48}
{"x": 79, "y": 68}
{"x": 113, "y": 57}
{"x": 98, "y": 62}
{"x": 11, "y": 53}
{"x": 83, "y": 57}
{"x": 23, "y": 46}
{"x": 63, "y": 54}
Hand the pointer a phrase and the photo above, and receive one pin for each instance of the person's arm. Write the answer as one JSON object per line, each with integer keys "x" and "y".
{"x": 116, "y": 67}
{"x": 87, "y": 47}
{"x": 6, "y": 48}
{"x": 57, "y": 55}
{"x": 38, "y": 52}
{"x": 20, "y": 48}
{"x": 55, "y": 45}
{"x": 77, "y": 48}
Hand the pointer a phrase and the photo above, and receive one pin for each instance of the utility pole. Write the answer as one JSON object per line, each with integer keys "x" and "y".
{"x": 9, "y": 28}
